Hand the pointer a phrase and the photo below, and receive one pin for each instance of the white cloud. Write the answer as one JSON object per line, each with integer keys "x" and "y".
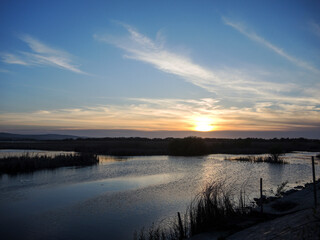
{"x": 41, "y": 54}
{"x": 253, "y": 36}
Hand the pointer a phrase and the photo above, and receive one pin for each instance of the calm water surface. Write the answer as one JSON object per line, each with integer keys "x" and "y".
{"x": 120, "y": 195}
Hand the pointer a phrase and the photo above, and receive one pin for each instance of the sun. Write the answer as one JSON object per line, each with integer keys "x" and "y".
{"x": 203, "y": 124}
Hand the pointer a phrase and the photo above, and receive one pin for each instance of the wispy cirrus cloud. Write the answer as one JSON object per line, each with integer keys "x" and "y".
{"x": 41, "y": 54}
{"x": 13, "y": 59}
{"x": 142, "y": 48}
{"x": 253, "y": 36}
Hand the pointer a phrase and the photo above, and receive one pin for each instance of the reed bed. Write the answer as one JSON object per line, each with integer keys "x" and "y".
{"x": 271, "y": 158}
{"x": 28, "y": 163}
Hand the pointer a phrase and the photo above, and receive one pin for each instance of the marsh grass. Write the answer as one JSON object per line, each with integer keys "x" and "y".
{"x": 28, "y": 163}
{"x": 247, "y": 159}
{"x": 213, "y": 209}
{"x": 271, "y": 158}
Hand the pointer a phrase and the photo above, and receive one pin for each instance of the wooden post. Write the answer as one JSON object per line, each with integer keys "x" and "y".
{"x": 261, "y": 201}
{"x": 314, "y": 184}
{"x": 180, "y": 227}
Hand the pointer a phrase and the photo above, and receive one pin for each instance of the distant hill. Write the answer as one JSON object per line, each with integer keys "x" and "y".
{"x": 22, "y": 137}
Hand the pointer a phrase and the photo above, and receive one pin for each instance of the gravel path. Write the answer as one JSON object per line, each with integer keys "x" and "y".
{"x": 304, "y": 224}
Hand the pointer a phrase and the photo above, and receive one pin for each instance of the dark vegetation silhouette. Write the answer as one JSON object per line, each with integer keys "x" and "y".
{"x": 275, "y": 155}
{"x": 28, "y": 163}
{"x": 168, "y": 146}
{"x": 190, "y": 146}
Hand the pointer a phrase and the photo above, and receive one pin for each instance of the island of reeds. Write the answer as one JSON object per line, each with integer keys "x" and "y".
{"x": 28, "y": 163}
{"x": 275, "y": 156}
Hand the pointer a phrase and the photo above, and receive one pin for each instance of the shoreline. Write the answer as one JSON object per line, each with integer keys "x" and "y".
{"x": 293, "y": 217}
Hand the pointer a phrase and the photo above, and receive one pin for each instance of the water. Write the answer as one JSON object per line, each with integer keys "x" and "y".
{"x": 120, "y": 195}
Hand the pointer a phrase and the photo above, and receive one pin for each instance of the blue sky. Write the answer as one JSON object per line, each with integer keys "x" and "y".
{"x": 160, "y": 65}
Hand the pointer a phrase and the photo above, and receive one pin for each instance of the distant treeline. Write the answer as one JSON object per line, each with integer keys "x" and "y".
{"x": 169, "y": 146}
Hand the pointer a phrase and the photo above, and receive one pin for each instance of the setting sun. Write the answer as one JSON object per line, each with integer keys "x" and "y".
{"x": 203, "y": 124}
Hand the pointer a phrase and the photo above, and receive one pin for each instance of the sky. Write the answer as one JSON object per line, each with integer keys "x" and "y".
{"x": 161, "y": 66}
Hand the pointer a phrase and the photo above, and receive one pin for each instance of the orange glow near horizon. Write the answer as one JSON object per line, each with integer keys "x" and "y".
{"x": 203, "y": 124}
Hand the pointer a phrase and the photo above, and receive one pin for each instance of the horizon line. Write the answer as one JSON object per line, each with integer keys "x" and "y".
{"x": 104, "y": 133}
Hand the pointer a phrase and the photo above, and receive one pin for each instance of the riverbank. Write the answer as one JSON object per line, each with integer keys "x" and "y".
{"x": 294, "y": 218}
